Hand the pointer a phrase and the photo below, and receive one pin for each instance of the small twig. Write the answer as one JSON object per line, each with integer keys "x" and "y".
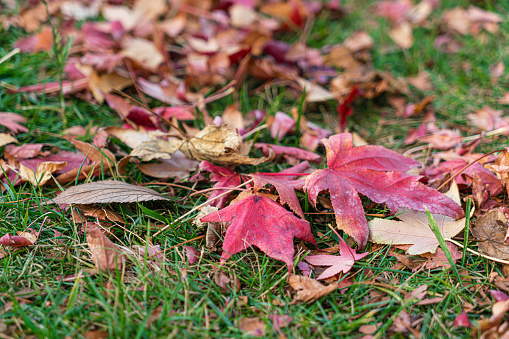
{"x": 9, "y": 55}
{"x": 200, "y": 206}
{"x": 467, "y": 166}
{"x": 505, "y": 262}
{"x": 253, "y": 131}
{"x": 214, "y": 189}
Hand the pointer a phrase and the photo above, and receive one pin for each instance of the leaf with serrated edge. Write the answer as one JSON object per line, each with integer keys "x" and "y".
{"x": 107, "y": 191}
{"x": 377, "y": 173}
{"x": 413, "y": 229}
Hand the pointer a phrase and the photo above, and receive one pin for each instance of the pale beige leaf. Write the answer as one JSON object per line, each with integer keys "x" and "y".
{"x": 6, "y": 139}
{"x": 43, "y": 172}
{"x": 414, "y": 229}
{"x": 314, "y": 92}
{"x": 105, "y": 254}
{"x": 218, "y": 145}
{"x": 308, "y": 290}
{"x": 130, "y": 137}
{"x": 402, "y": 35}
{"x": 156, "y": 148}
{"x": 107, "y": 191}
{"x": 252, "y": 326}
{"x": 144, "y": 52}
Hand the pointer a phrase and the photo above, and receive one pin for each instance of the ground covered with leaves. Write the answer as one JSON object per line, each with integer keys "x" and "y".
{"x": 241, "y": 168}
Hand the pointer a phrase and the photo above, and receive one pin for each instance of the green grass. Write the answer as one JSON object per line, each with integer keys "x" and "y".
{"x": 181, "y": 300}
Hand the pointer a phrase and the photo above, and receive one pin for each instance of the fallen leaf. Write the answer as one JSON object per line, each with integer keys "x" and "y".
{"x": 377, "y": 173}
{"x": 288, "y": 153}
{"x": 107, "y": 191}
{"x": 281, "y": 125}
{"x": 100, "y": 213}
{"x": 339, "y": 263}
{"x": 252, "y": 326}
{"x": 413, "y": 228}
{"x": 438, "y": 259}
{"x": 43, "y": 173}
{"x": 12, "y": 122}
{"x": 491, "y": 229}
{"x": 15, "y": 240}
{"x": 218, "y": 145}
{"x": 224, "y": 178}
{"x": 257, "y": 220}
{"x": 178, "y": 166}
{"x": 462, "y": 320}
{"x": 402, "y": 35}
{"x": 308, "y": 290}
{"x": 6, "y": 139}
{"x": 105, "y": 254}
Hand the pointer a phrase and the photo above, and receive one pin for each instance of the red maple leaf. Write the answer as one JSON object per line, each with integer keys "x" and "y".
{"x": 259, "y": 221}
{"x": 377, "y": 173}
{"x": 339, "y": 263}
{"x": 285, "y": 184}
{"x": 225, "y": 177}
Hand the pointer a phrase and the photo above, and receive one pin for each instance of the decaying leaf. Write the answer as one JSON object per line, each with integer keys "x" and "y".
{"x": 252, "y": 326}
{"x": 413, "y": 229}
{"x": 100, "y": 213}
{"x": 218, "y": 145}
{"x": 107, "y": 191}
{"x": 491, "y": 230}
{"x": 105, "y": 254}
{"x": 157, "y": 147}
{"x": 308, "y": 290}
{"x": 20, "y": 240}
{"x": 215, "y": 230}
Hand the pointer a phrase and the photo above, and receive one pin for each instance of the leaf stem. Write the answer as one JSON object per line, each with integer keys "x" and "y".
{"x": 467, "y": 166}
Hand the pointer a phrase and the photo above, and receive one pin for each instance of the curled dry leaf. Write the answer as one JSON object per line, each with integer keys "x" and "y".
{"x": 308, "y": 290}
{"x": 107, "y": 191}
{"x": 105, "y": 254}
{"x": 218, "y": 145}
{"x": 20, "y": 240}
{"x": 215, "y": 230}
{"x": 100, "y": 213}
{"x": 43, "y": 173}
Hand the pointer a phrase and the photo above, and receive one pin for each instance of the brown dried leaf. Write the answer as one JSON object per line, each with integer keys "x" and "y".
{"x": 101, "y": 213}
{"x": 490, "y": 229}
{"x": 105, "y": 254}
{"x": 252, "y": 326}
{"x": 218, "y": 145}
{"x": 107, "y": 191}
{"x": 308, "y": 290}
{"x": 101, "y": 156}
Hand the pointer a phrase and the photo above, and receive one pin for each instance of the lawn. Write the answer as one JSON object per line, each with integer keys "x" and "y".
{"x": 53, "y": 289}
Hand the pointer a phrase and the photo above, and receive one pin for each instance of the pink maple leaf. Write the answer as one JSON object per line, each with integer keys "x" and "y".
{"x": 224, "y": 177}
{"x": 259, "y": 221}
{"x": 285, "y": 185}
{"x": 339, "y": 263}
{"x": 377, "y": 173}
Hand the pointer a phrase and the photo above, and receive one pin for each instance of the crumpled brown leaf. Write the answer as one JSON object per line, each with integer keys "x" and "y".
{"x": 252, "y": 326}
{"x": 107, "y": 191}
{"x": 490, "y": 229}
{"x": 218, "y": 145}
{"x": 105, "y": 254}
{"x": 42, "y": 174}
{"x": 308, "y": 290}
